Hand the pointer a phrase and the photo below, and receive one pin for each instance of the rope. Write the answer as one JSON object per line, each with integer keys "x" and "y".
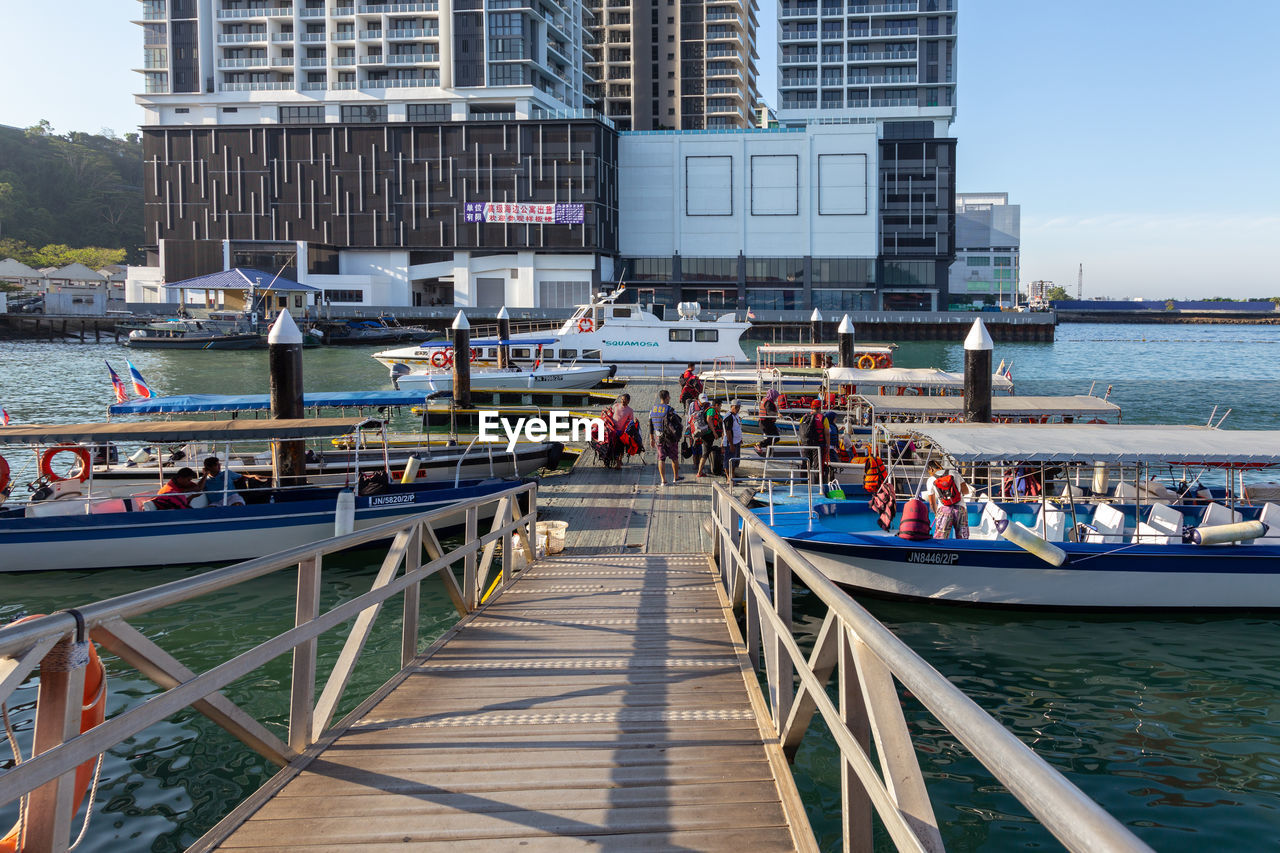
{"x": 17, "y": 759}
{"x": 88, "y": 804}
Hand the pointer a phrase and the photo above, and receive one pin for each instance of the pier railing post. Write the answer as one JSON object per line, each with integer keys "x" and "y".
{"x": 412, "y": 598}
{"x": 58, "y": 701}
{"x": 469, "y": 580}
{"x": 302, "y": 693}
{"x": 855, "y": 802}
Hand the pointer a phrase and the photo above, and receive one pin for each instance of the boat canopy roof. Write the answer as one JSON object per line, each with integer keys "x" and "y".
{"x": 180, "y": 431}
{"x": 1113, "y": 443}
{"x": 189, "y": 403}
{"x": 909, "y": 377}
{"x": 495, "y": 342}
{"x": 824, "y": 349}
{"x": 1001, "y": 407}
{"x": 240, "y": 279}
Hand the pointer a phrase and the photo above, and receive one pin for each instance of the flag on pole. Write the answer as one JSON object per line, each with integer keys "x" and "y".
{"x": 1008, "y": 372}
{"x": 5, "y": 412}
{"x": 122, "y": 394}
{"x": 140, "y": 386}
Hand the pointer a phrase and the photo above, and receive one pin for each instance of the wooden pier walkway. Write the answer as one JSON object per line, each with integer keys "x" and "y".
{"x": 604, "y": 700}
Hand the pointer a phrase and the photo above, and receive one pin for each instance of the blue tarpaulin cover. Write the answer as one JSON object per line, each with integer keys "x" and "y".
{"x": 261, "y": 402}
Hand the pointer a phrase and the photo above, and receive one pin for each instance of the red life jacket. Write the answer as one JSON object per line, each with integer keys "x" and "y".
{"x": 885, "y": 505}
{"x": 915, "y": 520}
{"x": 948, "y": 491}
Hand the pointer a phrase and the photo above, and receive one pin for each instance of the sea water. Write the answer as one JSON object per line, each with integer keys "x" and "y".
{"x": 1168, "y": 721}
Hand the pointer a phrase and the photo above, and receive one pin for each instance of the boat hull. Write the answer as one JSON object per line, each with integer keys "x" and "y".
{"x": 998, "y": 573}
{"x": 210, "y": 534}
{"x": 576, "y": 378}
{"x": 206, "y": 342}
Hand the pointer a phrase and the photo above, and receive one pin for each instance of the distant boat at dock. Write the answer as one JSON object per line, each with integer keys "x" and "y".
{"x": 192, "y": 334}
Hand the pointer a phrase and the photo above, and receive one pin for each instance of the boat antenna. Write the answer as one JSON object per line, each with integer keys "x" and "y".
{"x": 1211, "y": 416}
{"x": 1108, "y": 394}
{"x": 1091, "y": 387}
{"x": 1223, "y": 418}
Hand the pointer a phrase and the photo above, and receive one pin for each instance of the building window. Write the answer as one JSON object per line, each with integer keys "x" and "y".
{"x": 772, "y": 299}
{"x": 680, "y": 336}
{"x": 364, "y": 114}
{"x": 706, "y": 336}
{"x": 709, "y": 269}
{"x": 343, "y": 295}
{"x": 568, "y": 353}
{"x": 231, "y": 109}
{"x": 844, "y": 300}
{"x": 774, "y": 269}
{"x": 898, "y": 273}
{"x": 428, "y": 112}
{"x": 301, "y": 115}
{"x": 646, "y": 269}
{"x": 1004, "y": 261}
{"x": 182, "y": 110}
{"x": 508, "y": 75}
{"x": 843, "y": 270}
{"x": 563, "y": 294}
{"x": 978, "y": 261}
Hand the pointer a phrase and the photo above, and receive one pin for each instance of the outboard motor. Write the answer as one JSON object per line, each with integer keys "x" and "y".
{"x": 397, "y": 370}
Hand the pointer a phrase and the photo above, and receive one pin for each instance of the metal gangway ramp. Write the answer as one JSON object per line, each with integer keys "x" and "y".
{"x": 598, "y": 702}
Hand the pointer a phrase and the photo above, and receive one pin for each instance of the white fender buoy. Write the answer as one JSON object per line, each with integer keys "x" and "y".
{"x": 1026, "y": 539}
{"x": 1220, "y": 534}
{"x": 410, "y": 471}
{"x": 344, "y": 514}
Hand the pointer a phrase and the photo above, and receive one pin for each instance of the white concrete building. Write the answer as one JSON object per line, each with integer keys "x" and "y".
{"x": 988, "y": 237}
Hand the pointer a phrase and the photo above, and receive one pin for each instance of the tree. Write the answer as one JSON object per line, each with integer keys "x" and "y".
{"x": 1057, "y": 293}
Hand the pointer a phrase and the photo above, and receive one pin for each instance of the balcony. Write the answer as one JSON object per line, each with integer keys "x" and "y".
{"x": 312, "y": 62}
{"x": 798, "y": 83}
{"x": 718, "y": 34}
{"x": 314, "y": 86}
{"x": 286, "y": 38}
{"x": 243, "y": 38}
{"x": 392, "y": 8}
{"x": 716, "y": 52}
{"x": 413, "y": 83}
{"x": 283, "y": 61}
{"x": 883, "y": 57}
{"x": 393, "y": 35}
{"x": 412, "y": 58}
{"x": 798, "y": 12}
{"x": 311, "y": 38}
{"x": 894, "y": 102}
{"x": 722, "y": 15}
{"x": 237, "y": 14}
{"x": 342, "y": 35}
{"x": 344, "y": 11}
{"x": 906, "y": 32}
{"x": 799, "y": 35}
{"x": 885, "y": 9}
{"x": 723, "y": 72}
{"x": 272, "y": 86}
{"x": 373, "y": 59}
{"x": 343, "y": 84}
{"x": 340, "y": 61}
{"x": 881, "y": 80}
{"x": 311, "y": 13}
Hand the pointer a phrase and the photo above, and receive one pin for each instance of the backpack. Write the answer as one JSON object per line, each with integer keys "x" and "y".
{"x": 690, "y": 388}
{"x": 811, "y": 430}
{"x": 671, "y": 427}
{"x": 948, "y": 491}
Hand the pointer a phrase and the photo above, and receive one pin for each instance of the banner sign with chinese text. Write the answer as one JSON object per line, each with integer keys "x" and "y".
{"x": 537, "y": 214}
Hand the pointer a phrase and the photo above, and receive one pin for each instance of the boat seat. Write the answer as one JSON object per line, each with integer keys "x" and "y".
{"x": 1108, "y": 525}
{"x": 1215, "y": 514}
{"x": 1125, "y": 491}
{"x": 986, "y": 528}
{"x": 1162, "y": 527}
{"x": 1270, "y": 516}
{"x": 1050, "y": 523}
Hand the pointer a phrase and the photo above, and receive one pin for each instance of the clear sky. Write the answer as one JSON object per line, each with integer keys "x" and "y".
{"x": 1140, "y": 136}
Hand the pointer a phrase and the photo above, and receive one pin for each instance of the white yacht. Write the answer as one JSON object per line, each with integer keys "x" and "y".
{"x": 610, "y": 332}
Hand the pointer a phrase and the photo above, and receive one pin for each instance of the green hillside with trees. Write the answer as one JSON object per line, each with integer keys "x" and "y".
{"x": 70, "y": 197}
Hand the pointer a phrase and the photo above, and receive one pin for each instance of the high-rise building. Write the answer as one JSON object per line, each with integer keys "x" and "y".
{"x": 988, "y": 234}
{"x": 886, "y": 61}
{"x": 387, "y": 153}
{"x": 253, "y": 61}
{"x": 675, "y": 64}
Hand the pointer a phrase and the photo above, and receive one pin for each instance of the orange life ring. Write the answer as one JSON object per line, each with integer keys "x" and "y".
{"x": 93, "y": 710}
{"x": 448, "y": 357}
{"x": 4, "y": 474}
{"x": 883, "y": 361}
{"x": 475, "y": 354}
{"x": 586, "y": 325}
{"x": 437, "y": 358}
{"x": 46, "y": 459}
{"x": 866, "y": 361}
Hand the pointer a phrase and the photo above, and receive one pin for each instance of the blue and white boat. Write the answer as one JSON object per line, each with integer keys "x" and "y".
{"x": 1138, "y": 547}
{"x": 71, "y": 527}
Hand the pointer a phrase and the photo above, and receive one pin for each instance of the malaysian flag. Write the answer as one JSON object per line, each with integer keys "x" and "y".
{"x": 140, "y": 386}
{"x": 122, "y": 394}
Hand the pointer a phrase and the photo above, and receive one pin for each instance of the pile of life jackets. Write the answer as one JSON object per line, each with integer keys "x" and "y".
{"x": 627, "y": 435}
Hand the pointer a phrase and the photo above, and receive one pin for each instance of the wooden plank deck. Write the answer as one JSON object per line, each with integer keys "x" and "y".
{"x": 600, "y": 702}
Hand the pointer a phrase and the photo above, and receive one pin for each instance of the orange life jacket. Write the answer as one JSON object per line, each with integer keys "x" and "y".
{"x": 873, "y": 473}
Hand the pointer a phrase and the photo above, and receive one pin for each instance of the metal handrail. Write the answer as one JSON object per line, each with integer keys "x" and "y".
{"x": 47, "y": 776}
{"x": 852, "y": 639}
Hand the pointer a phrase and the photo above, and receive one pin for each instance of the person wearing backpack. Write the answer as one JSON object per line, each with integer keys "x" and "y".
{"x": 945, "y": 490}
{"x": 700, "y": 430}
{"x": 815, "y": 436}
{"x": 690, "y": 385}
{"x": 665, "y": 427}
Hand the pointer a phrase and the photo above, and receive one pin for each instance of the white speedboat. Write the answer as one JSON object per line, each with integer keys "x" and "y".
{"x": 515, "y": 378}
{"x": 610, "y": 332}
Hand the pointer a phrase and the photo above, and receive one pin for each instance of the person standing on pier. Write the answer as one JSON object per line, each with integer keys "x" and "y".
{"x": 769, "y": 420}
{"x": 690, "y": 385}
{"x": 732, "y": 440}
{"x": 665, "y": 427}
{"x": 701, "y": 435}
